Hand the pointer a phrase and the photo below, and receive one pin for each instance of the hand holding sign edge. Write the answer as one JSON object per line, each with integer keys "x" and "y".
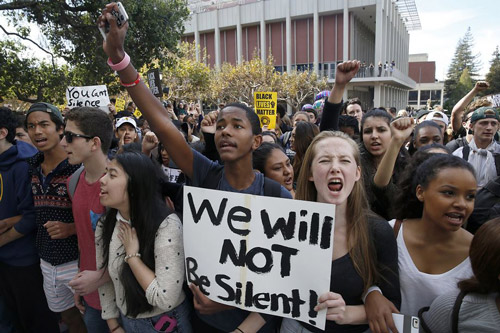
{"x": 205, "y": 305}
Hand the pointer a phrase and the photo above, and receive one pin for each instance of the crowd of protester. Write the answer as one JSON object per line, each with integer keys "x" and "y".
{"x": 91, "y": 204}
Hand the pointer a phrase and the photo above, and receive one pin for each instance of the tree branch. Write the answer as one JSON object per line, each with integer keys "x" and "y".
{"x": 74, "y": 9}
{"x": 30, "y": 40}
{"x": 17, "y": 5}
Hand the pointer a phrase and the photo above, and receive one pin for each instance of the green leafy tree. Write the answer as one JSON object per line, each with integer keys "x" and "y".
{"x": 493, "y": 76}
{"x": 462, "y": 59}
{"x": 71, "y": 31}
{"x": 30, "y": 80}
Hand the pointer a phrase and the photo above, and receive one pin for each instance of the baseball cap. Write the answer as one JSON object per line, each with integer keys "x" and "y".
{"x": 126, "y": 120}
{"x": 483, "y": 113}
{"x": 45, "y": 107}
{"x": 439, "y": 116}
{"x": 422, "y": 113}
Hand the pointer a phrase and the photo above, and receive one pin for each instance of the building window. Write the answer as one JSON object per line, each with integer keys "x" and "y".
{"x": 436, "y": 95}
{"x": 424, "y": 96}
{"x": 413, "y": 97}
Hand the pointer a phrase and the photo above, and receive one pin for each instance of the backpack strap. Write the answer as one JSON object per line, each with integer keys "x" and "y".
{"x": 272, "y": 188}
{"x": 456, "y": 310}
{"x": 73, "y": 181}
{"x": 465, "y": 152}
{"x": 397, "y": 226}
{"x": 497, "y": 163}
{"x": 423, "y": 325}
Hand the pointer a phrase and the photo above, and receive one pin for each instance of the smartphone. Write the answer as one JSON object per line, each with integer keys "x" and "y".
{"x": 405, "y": 323}
{"x": 121, "y": 18}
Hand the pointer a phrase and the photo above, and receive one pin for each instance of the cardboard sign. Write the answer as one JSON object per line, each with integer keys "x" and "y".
{"x": 95, "y": 96}
{"x": 257, "y": 253}
{"x": 495, "y": 99}
{"x": 265, "y": 107}
{"x": 154, "y": 82}
{"x": 119, "y": 105}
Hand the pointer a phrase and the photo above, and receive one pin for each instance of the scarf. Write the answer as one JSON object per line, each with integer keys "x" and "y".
{"x": 483, "y": 161}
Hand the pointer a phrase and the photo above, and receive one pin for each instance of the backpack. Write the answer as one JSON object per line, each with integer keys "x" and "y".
{"x": 73, "y": 181}
{"x": 466, "y": 152}
{"x": 454, "y": 314}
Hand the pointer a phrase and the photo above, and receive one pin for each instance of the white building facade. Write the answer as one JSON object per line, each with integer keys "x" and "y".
{"x": 314, "y": 35}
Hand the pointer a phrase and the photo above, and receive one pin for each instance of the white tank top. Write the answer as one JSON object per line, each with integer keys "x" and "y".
{"x": 420, "y": 289}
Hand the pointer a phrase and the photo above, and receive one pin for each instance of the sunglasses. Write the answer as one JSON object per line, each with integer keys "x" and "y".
{"x": 70, "y": 135}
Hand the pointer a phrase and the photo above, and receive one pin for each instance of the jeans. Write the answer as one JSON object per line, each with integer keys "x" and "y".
{"x": 292, "y": 326}
{"x": 93, "y": 320}
{"x": 182, "y": 313}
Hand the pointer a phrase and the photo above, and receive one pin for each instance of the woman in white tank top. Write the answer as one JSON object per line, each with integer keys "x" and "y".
{"x": 436, "y": 199}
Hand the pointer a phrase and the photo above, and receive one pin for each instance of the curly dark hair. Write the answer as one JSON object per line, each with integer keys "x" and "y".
{"x": 422, "y": 169}
{"x": 8, "y": 121}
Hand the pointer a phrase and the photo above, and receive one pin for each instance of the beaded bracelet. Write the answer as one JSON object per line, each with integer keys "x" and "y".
{"x": 128, "y": 256}
{"x": 121, "y": 65}
{"x": 132, "y": 84}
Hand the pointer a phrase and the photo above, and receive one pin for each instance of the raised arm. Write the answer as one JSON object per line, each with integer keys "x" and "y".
{"x": 459, "y": 108}
{"x": 401, "y": 130}
{"x": 149, "y": 105}
{"x": 343, "y": 75}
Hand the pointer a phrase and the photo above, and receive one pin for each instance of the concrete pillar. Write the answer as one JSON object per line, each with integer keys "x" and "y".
{"x": 217, "y": 40}
{"x": 239, "y": 37}
{"x": 345, "y": 46}
{"x": 315, "y": 36}
{"x": 379, "y": 37}
{"x": 196, "y": 36}
{"x": 377, "y": 95}
{"x": 418, "y": 95}
{"x": 263, "y": 45}
{"x": 288, "y": 29}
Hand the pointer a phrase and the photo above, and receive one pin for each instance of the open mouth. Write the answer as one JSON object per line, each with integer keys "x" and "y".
{"x": 289, "y": 181}
{"x": 335, "y": 185}
{"x": 40, "y": 140}
{"x": 455, "y": 218}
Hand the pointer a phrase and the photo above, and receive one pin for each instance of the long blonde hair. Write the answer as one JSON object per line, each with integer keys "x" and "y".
{"x": 359, "y": 242}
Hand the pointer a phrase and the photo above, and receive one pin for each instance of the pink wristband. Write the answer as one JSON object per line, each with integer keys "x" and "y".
{"x": 121, "y": 65}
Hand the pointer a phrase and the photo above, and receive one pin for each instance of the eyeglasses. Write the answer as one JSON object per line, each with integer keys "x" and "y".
{"x": 70, "y": 135}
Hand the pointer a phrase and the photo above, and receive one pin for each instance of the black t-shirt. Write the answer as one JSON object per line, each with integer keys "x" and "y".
{"x": 347, "y": 282}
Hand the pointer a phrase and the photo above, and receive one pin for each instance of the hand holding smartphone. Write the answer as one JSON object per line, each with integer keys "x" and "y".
{"x": 121, "y": 17}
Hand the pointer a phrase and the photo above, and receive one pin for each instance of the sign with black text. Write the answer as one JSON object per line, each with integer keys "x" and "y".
{"x": 266, "y": 104}
{"x": 154, "y": 82}
{"x": 94, "y": 96}
{"x": 260, "y": 254}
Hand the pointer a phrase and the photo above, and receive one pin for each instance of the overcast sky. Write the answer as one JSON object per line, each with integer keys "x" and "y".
{"x": 444, "y": 22}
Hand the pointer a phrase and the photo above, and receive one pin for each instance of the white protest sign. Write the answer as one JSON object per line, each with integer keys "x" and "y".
{"x": 95, "y": 96}
{"x": 260, "y": 254}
